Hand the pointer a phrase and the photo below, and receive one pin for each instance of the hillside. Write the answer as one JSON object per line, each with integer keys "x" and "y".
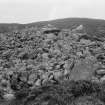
{"x": 93, "y": 26}
{"x": 4, "y": 28}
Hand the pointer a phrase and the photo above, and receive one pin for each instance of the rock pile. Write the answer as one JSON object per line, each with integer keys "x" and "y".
{"x": 32, "y": 57}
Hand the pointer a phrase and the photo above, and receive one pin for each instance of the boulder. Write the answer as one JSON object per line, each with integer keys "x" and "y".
{"x": 45, "y": 55}
{"x": 103, "y": 78}
{"x": 85, "y": 41}
{"x": 81, "y": 71}
{"x": 79, "y": 29}
{"x": 100, "y": 71}
{"x": 50, "y": 29}
{"x": 50, "y": 36}
{"x": 58, "y": 74}
{"x": 32, "y": 78}
{"x": 9, "y": 96}
{"x": 38, "y": 82}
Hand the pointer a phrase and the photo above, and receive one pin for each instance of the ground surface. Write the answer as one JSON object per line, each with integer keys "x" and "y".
{"x": 34, "y": 57}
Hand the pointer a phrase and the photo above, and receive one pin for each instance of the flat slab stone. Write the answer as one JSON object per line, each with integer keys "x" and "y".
{"x": 100, "y": 71}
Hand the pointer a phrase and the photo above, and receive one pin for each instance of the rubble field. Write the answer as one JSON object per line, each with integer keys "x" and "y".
{"x": 35, "y": 59}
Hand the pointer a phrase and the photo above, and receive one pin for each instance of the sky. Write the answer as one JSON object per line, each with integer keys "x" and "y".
{"x": 28, "y": 11}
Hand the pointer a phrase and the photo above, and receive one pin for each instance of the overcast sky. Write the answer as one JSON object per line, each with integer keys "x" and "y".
{"x": 26, "y": 11}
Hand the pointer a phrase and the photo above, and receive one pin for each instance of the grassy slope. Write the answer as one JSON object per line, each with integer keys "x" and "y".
{"x": 92, "y": 25}
{"x": 9, "y": 27}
